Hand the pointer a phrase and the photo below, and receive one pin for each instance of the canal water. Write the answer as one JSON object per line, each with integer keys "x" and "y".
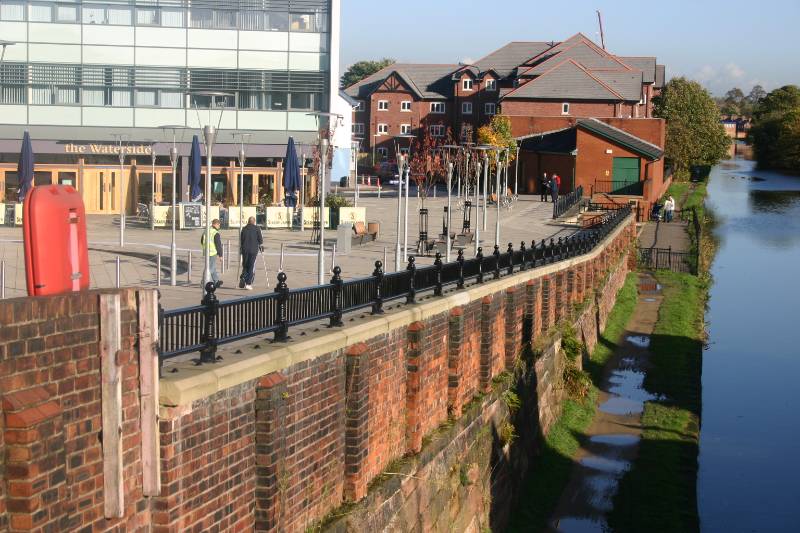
{"x": 749, "y": 467}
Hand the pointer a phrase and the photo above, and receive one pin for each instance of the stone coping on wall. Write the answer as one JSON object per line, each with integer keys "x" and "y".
{"x": 191, "y": 383}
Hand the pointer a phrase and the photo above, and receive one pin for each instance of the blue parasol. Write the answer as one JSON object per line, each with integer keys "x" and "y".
{"x": 25, "y": 167}
{"x": 195, "y": 193}
{"x": 291, "y": 175}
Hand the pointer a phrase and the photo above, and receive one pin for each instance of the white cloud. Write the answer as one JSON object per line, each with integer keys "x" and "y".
{"x": 734, "y": 71}
{"x": 467, "y": 60}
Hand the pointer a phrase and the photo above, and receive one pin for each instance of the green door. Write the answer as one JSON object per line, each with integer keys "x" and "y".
{"x": 625, "y": 175}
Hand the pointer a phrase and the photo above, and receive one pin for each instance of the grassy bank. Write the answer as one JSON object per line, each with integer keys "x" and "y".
{"x": 658, "y": 493}
{"x": 550, "y": 471}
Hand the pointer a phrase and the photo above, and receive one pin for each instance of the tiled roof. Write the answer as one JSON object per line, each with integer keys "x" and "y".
{"x": 587, "y": 55}
{"x": 426, "y": 81}
{"x": 566, "y": 81}
{"x": 504, "y": 60}
{"x": 628, "y": 83}
{"x": 646, "y": 64}
{"x": 623, "y": 138}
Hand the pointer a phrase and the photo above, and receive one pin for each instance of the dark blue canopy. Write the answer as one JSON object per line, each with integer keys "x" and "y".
{"x": 291, "y": 175}
{"x": 195, "y": 165}
{"x": 25, "y": 167}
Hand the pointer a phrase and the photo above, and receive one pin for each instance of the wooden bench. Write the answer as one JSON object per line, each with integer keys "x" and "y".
{"x": 360, "y": 232}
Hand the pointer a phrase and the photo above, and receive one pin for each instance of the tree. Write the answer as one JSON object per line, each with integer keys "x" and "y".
{"x": 360, "y": 70}
{"x": 757, "y": 93}
{"x": 733, "y": 101}
{"x": 427, "y": 160}
{"x": 695, "y": 135}
{"x": 498, "y": 133}
{"x": 775, "y": 133}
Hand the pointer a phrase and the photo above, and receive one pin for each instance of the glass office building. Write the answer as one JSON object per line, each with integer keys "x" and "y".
{"x": 79, "y": 74}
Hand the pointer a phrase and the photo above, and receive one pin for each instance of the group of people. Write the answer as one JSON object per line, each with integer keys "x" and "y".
{"x": 549, "y": 186}
{"x": 251, "y": 243}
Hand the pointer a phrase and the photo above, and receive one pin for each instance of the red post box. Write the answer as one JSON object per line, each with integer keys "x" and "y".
{"x": 54, "y": 232}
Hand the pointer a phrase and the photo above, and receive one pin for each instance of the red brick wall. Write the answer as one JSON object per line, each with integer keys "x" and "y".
{"x": 527, "y": 108}
{"x": 50, "y": 424}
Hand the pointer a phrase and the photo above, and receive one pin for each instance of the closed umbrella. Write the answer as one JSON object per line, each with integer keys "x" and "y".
{"x": 195, "y": 192}
{"x": 291, "y": 175}
{"x": 25, "y": 167}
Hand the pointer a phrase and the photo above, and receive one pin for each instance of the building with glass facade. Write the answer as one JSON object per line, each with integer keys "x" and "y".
{"x": 79, "y": 74}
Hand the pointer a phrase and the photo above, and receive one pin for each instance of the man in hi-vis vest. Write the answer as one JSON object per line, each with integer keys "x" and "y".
{"x": 214, "y": 251}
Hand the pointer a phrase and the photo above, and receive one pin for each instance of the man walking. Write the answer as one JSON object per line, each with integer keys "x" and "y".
{"x": 544, "y": 183}
{"x": 250, "y": 243}
{"x": 669, "y": 209}
{"x": 214, "y": 250}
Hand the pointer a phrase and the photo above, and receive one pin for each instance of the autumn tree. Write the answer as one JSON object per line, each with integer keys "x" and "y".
{"x": 695, "y": 135}
{"x": 427, "y": 161}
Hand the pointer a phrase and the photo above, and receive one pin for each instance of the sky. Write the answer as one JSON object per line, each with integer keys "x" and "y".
{"x": 721, "y": 44}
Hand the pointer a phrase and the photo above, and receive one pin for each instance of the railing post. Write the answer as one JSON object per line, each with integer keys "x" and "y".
{"x": 211, "y": 307}
{"x": 412, "y": 274}
{"x": 336, "y": 281}
{"x": 670, "y": 257}
{"x": 479, "y": 257}
{"x": 496, "y": 255}
{"x": 437, "y": 264}
{"x": 460, "y": 260}
{"x": 560, "y": 246}
{"x": 522, "y": 253}
{"x": 377, "y": 305}
{"x": 282, "y": 333}
{"x": 552, "y": 251}
{"x": 510, "y": 259}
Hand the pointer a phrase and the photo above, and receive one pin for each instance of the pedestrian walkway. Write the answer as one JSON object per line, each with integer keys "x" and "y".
{"x": 665, "y": 235}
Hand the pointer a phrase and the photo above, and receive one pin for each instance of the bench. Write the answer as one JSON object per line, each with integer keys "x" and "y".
{"x": 360, "y": 233}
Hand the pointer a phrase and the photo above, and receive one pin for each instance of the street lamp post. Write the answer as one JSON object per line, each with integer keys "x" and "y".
{"x": 242, "y": 159}
{"x": 401, "y": 169}
{"x": 497, "y": 201}
{"x": 303, "y": 192}
{"x": 120, "y": 139}
{"x": 173, "y": 159}
{"x": 153, "y": 186}
{"x": 516, "y": 171}
{"x": 449, "y": 210}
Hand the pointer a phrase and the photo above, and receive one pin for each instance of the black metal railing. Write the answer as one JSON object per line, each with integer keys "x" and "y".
{"x": 204, "y": 327}
{"x": 630, "y": 188}
{"x": 565, "y": 203}
{"x": 667, "y": 259}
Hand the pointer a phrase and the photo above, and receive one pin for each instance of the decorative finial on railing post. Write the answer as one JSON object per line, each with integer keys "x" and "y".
{"x": 210, "y": 311}
{"x": 412, "y": 275}
{"x": 552, "y": 252}
{"x": 496, "y": 255}
{"x": 437, "y": 263}
{"x": 336, "y": 281}
{"x": 510, "y": 253}
{"x": 479, "y": 257}
{"x": 523, "y": 255}
{"x": 460, "y": 260}
{"x": 377, "y": 304}
{"x": 282, "y": 333}
{"x": 560, "y": 248}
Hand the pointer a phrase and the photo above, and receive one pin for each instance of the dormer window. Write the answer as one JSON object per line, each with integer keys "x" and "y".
{"x": 466, "y": 84}
{"x": 491, "y": 84}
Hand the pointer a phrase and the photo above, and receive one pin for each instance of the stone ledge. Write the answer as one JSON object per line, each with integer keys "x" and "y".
{"x": 198, "y": 382}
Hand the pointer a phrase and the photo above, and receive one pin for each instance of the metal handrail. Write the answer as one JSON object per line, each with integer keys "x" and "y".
{"x": 565, "y": 203}
{"x": 204, "y": 327}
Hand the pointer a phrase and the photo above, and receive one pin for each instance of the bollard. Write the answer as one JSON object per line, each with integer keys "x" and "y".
{"x": 2, "y": 280}
{"x": 189, "y": 268}
{"x": 117, "y": 271}
{"x": 158, "y": 270}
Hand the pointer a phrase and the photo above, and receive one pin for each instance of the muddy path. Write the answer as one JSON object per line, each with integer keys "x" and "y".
{"x": 612, "y": 440}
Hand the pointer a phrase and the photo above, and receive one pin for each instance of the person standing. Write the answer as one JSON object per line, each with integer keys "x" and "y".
{"x": 669, "y": 209}
{"x": 214, "y": 251}
{"x": 250, "y": 244}
{"x": 558, "y": 183}
{"x": 554, "y": 188}
{"x": 544, "y": 184}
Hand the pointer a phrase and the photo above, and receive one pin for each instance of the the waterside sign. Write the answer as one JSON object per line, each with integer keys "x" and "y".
{"x": 110, "y": 149}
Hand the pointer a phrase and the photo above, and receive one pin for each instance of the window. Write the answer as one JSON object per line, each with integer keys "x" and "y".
{"x": 466, "y": 84}
{"x": 146, "y": 16}
{"x": 383, "y": 129}
{"x": 13, "y": 10}
{"x": 100, "y": 14}
{"x": 437, "y": 107}
{"x": 490, "y": 108}
{"x": 308, "y": 22}
{"x": 358, "y": 129}
{"x": 66, "y": 13}
{"x": 565, "y": 109}
{"x": 383, "y": 151}
{"x": 466, "y": 108}
{"x": 300, "y": 101}
{"x": 405, "y": 106}
{"x": 405, "y": 129}
{"x": 383, "y": 105}
{"x": 40, "y": 13}
{"x": 437, "y": 130}
{"x": 13, "y": 79}
{"x": 491, "y": 84}
{"x": 359, "y": 106}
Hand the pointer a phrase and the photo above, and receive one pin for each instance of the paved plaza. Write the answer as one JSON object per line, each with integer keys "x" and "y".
{"x": 528, "y": 219}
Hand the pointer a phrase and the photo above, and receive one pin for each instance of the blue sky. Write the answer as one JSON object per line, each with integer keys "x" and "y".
{"x": 721, "y": 44}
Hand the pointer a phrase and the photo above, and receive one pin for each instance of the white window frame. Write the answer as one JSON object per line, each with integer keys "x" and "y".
{"x": 437, "y": 130}
{"x": 405, "y": 129}
{"x": 565, "y": 108}
{"x": 466, "y": 108}
{"x": 491, "y": 84}
{"x": 358, "y": 128}
{"x": 489, "y": 105}
{"x": 383, "y": 105}
{"x": 405, "y": 106}
{"x": 383, "y": 129}
{"x": 466, "y": 84}
{"x": 438, "y": 108}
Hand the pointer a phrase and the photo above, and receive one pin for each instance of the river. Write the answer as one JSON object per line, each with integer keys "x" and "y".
{"x": 749, "y": 464}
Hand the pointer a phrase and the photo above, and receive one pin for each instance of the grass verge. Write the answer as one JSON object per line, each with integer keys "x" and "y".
{"x": 550, "y": 472}
{"x": 659, "y": 492}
